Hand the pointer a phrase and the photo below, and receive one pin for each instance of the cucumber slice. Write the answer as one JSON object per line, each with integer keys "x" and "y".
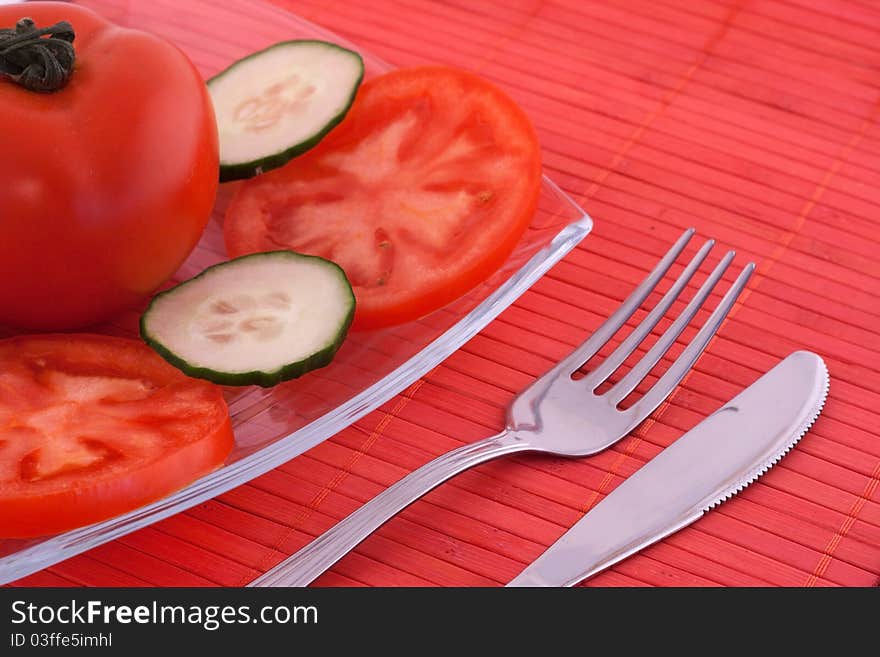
{"x": 280, "y": 102}
{"x": 256, "y": 320}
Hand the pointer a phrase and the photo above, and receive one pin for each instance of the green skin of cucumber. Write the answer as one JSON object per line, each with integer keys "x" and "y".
{"x": 260, "y": 378}
{"x": 243, "y": 170}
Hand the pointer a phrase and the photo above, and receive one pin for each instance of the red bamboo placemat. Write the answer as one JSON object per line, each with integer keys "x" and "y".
{"x": 757, "y": 123}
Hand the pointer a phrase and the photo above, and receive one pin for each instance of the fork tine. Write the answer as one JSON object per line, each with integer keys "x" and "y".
{"x": 610, "y": 326}
{"x": 660, "y": 390}
{"x": 608, "y": 365}
{"x": 628, "y": 383}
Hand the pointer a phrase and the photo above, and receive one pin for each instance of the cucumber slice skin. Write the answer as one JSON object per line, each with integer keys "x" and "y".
{"x": 244, "y": 170}
{"x": 261, "y": 378}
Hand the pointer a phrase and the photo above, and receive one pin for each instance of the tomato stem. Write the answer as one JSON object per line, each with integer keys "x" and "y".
{"x": 37, "y": 63}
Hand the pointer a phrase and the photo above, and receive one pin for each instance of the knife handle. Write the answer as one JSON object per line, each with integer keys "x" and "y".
{"x": 652, "y": 503}
{"x": 316, "y": 557}
{"x": 556, "y": 569}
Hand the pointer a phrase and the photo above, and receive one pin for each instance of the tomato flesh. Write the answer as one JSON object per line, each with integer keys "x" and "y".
{"x": 94, "y": 426}
{"x": 419, "y": 194}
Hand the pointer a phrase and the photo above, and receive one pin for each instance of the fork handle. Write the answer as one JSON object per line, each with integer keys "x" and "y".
{"x": 316, "y": 557}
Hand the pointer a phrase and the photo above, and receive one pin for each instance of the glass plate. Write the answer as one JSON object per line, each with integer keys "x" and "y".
{"x": 273, "y": 426}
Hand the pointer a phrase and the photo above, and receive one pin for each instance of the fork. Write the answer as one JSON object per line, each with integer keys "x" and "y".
{"x": 556, "y": 414}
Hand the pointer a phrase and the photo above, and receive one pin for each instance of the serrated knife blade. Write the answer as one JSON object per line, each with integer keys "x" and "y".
{"x": 710, "y": 463}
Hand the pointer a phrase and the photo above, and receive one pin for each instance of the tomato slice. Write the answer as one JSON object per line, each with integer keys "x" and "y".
{"x": 419, "y": 194}
{"x": 93, "y": 426}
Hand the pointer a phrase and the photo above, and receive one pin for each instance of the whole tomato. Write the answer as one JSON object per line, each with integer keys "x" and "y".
{"x": 106, "y": 184}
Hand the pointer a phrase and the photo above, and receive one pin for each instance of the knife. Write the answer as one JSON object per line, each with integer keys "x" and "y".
{"x": 709, "y": 464}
